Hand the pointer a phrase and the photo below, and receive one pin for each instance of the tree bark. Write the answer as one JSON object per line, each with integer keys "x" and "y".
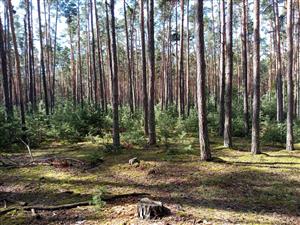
{"x": 129, "y": 69}
{"x": 114, "y": 77}
{"x": 96, "y": 93}
{"x": 5, "y": 74}
{"x": 279, "y": 89}
{"x": 42, "y": 60}
{"x": 255, "y": 147}
{"x": 222, "y": 70}
{"x": 17, "y": 62}
{"x": 144, "y": 68}
{"x": 289, "y": 75}
{"x": 244, "y": 65}
{"x": 201, "y": 77}
{"x": 181, "y": 68}
{"x": 188, "y": 103}
{"x": 101, "y": 77}
{"x": 228, "y": 79}
{"x": 151, "y": 53}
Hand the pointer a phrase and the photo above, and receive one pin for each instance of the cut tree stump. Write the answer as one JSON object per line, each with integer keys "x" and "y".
{"x": 149, "y": 209}
{"x": 134, "y": 161}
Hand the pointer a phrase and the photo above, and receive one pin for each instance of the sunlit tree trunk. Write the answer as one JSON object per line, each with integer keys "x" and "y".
{"x": 279, "y": 91}
{"x": 4, "y": 71}
{"x": 114, "y": 74}
{"x": 228, "y": 79}
{"x": 144, "y": 68}
{"x": 289, "y": 75}
{"x": 181, "y": 68}
{"x": 17, "y": 62}
{"x": 255, "y": 147}
{"x": 244, "y": 67}
{"x": 188, "y": 58}
{"x": 96, "y": 93}
{"x": 42, "y": 61}
{"x": 201, "y": 76}
{"x": 129, "y": 69}
{"x": 222, "y": 70}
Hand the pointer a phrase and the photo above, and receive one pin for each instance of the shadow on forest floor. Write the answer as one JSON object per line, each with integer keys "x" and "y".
{"x": 236, "y": 187}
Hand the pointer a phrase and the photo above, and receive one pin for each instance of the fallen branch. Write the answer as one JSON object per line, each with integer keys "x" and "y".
{"x": 71, "y": 205}
{"x": 4, "y": 211}
{"x": 7, "y": 162}
{"x": 28, "y": 148}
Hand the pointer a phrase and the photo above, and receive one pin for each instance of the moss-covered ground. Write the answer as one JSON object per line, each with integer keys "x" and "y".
{"x": 235, "y": 188}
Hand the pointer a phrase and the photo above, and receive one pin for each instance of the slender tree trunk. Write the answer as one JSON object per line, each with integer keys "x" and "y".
{"x": 255, "y": 148}
{"x": 279, "y": 89}
{"x": 188, "y": 58}
{"x": 129, "y": 68}
{"x": 42, "y": 60}
{"x": 289, "y": 76}
{"x": 201, "y": 76}
{"x": 5, "y": 74}
{"x": 228, "y": 79}
{"x": 114, "y": 73}
{"x": 54, "y": 61}
{"x": 222, "y": 71}
{"x": 151, "y": 53}
{"x": 73, "y": 70}
{"x": 96, "y": 93}
{"x": 17, "y": 62}
{"x": 30, "y": 63}
{"x": 101, "y": 78}
{"x": 144, "y": 68}
{"x": 78, "y": 68}
{"x": 244, "y": 65}
{"x": 181, "y": 68}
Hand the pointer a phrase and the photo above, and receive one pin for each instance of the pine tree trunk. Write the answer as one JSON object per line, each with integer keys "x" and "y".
{"x": 244, "y": 65}
{"x": 144, "y": 68}
{"x": 114, "y": 75}
{"x": 42, "y": 61}
{"x": 222, "y": 70}
{"x": 188, "y": 103}
{"x": 181, "y": 68}
{"x": 201, "y": 76}
{"x": 17, "y": 62}
{"x": 279, "y": 83}
{"x": 5, "y": 74}
{"x": 96, "y": 93}
{"x": 228, "y": 79}
{"x": 289, "y": 76}
{"x": 151, "y": 53}
{"x": 129, "y": 68}
{"x": 255, "y": 147}
{"x": 101, "y": 77}
{"x": 78, "y": 67}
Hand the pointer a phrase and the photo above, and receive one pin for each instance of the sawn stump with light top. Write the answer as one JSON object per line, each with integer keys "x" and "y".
{"x": 149, "y": 209}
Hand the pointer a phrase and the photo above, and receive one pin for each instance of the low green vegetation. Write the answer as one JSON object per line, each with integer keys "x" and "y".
{"x": 236, "y": 187}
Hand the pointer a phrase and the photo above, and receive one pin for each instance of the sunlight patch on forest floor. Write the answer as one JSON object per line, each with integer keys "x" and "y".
{"x": 235, "y": 188}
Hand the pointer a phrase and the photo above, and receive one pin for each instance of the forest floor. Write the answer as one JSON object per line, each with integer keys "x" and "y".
{"x": 235, "y": 188}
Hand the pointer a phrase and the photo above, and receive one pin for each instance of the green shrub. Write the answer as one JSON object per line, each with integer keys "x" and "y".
{"x": 273, "y": 132}
{"x": 10, "y": 131}
{"x": 238, "y": 129}
{"x": 166, "y": 124}
{"x": 97, "y": 199}
{"x": 268, "y": 107}
{"x": 190, "y": 123}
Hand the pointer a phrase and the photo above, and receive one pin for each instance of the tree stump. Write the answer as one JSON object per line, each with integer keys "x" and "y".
{"x": 149, "y": 209}
{"x": 134, "y": 161}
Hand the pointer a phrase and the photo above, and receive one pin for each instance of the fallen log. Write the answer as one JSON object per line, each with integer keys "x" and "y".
{"x": 71, "y": 205}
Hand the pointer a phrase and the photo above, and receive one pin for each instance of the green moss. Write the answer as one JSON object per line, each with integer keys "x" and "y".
{"x": 236, "y": 187}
